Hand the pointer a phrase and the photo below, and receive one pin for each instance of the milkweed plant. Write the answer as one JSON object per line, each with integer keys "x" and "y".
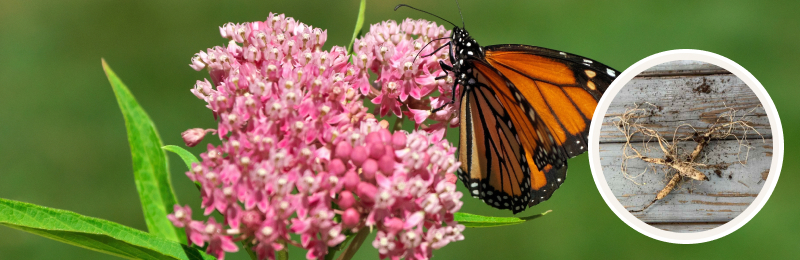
{"x": 302, "y": 161}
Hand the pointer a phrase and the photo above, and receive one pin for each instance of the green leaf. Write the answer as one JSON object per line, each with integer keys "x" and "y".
{"x": 150, "y": 169}
{"x": 476, "y": 221}
{"x": 188, "y": 157}
{"x": 359, "y": 23}
{"x": 92, "y": 233}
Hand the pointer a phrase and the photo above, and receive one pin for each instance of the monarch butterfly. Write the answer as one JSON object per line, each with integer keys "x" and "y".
{"x": 524, "y": 111}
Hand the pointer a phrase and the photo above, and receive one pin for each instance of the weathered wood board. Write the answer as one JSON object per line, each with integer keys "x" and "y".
{"x": 730, "y": 188}
{"x": 686, "y": 227}
{"x": 695, "y": 93}
{"x": 695, "y": 100}
{"x": 683, "y": 67}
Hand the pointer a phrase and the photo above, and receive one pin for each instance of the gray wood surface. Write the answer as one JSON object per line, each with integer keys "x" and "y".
{"x": 683, "y": 67}
{"x": 679, "y": 100}
{"x": 694, "y": 93}
{"x": 687, "y": 227}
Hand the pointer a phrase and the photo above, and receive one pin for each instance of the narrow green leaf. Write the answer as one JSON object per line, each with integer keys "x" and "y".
{"x": 150, "y": 169}
{"x": 188, "y": 157}
{"x": 92, "y": 233}
{"x": 476, "y": 221}
{"x": 359, "y": 23}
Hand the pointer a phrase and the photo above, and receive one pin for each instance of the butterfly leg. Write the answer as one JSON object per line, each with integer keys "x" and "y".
{"x": 446, "y": 68}
{"x": 452, "y": 100}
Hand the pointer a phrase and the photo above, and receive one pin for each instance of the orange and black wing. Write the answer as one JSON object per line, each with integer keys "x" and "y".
{"x": 548, "y": 98}
{"x": 494, "y": 163}
{"x": 562, "y": 89}
{"x": 539, "y": 160}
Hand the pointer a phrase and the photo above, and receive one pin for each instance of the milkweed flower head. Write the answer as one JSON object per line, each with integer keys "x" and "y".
{"x": 301, "y": 154}
{"x": 406, "y": 59}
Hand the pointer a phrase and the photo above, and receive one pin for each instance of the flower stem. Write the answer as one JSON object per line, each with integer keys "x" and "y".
{"x": 398, "y": 124}
{"x": 283, "y": 254}
{"x": 354, "y": 245}
{"x": 359, "y": 23}
{"x": 249, "y": 251}
{"x": 332, "y": 250}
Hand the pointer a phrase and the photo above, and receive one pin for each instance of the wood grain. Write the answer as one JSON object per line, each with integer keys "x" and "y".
{"x": 687, "y": 227}
{"x": 695, "y": 93}
{"x": 730, "y": 188}
{"x": 680, "y": 100}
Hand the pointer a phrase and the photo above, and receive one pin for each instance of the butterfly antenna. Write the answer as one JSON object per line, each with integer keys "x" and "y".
{"x": 402, "y": 5}
{"x": 462, "y": 16}
{"x": 426, "y": 45}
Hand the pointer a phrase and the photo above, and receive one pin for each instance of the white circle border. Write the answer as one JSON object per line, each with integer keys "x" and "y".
{"x": 738, "y": 221}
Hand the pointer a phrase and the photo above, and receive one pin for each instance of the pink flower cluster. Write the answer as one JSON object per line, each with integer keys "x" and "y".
{"x": 406, "y": 68}
{"x": 301, "y": 154}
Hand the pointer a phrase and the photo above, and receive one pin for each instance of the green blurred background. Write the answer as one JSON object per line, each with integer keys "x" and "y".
{"x": 63, "y": 141}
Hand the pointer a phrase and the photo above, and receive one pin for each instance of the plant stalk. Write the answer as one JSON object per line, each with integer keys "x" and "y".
{"x": 283, "y": 254}
{"x": 351, "y": 249}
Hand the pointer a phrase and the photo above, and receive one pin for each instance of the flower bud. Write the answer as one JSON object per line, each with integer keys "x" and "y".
{"x": 359, "y": 155}
{"x": 386, "y": 164}
{"x": 399, "y": 140}
{"x": 369, "y": 168}
{"x": 343, "y": 150}
{"x": 351, "y": 180}
{"x": 346, "y": 200}
{"x": 350, "y": 218}
{"x": 337, "y": 167}
{"x": 385, "y": 135}
{"x": 366, "y": 192}
{"x": 193, "y": 136}
{"x": 373, "y": 137}
{"x": 376, "y": 150}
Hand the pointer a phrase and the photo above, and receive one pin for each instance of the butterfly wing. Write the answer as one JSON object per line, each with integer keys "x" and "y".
{"x": 563, "y": 90}
{"x": 493, "y": 162}
{"x": 547, "y": 98}
{"x": 506, "y": 160}
{"x": 562, "y": 87}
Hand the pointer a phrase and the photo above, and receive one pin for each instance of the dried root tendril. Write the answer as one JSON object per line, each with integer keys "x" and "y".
{"x": 680, "y": 165}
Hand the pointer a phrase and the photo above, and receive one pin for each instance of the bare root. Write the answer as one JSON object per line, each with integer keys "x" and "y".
{"x": 679, "y": 165}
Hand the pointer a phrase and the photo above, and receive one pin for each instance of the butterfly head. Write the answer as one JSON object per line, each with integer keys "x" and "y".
{"x": 464, "y": 46}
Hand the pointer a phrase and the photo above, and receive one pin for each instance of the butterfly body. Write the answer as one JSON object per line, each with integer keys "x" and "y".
{"x": 524, "y": 111}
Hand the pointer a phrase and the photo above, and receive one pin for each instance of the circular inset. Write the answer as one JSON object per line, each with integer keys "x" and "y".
{"x": 670, "y": 156}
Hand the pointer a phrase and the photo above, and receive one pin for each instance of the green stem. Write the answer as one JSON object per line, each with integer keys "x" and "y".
{"x": 359, "y": 23}
{"x": 398, "y": 124}
{"x": 249, "y": 251}
{"x": 351, "y": 249}
{"x": 332, "y": 250}
{"x": 283, "y": 254}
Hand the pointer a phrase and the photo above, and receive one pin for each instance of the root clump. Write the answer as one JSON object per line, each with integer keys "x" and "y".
{"x": 679, "y": 164}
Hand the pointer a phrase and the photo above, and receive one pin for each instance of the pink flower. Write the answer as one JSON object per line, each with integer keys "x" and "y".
{"x": 302, "y": 155}
{"x": 181, "y": 216}
{"x": 218, "y": 243}
{"x": 400, "y": 56}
